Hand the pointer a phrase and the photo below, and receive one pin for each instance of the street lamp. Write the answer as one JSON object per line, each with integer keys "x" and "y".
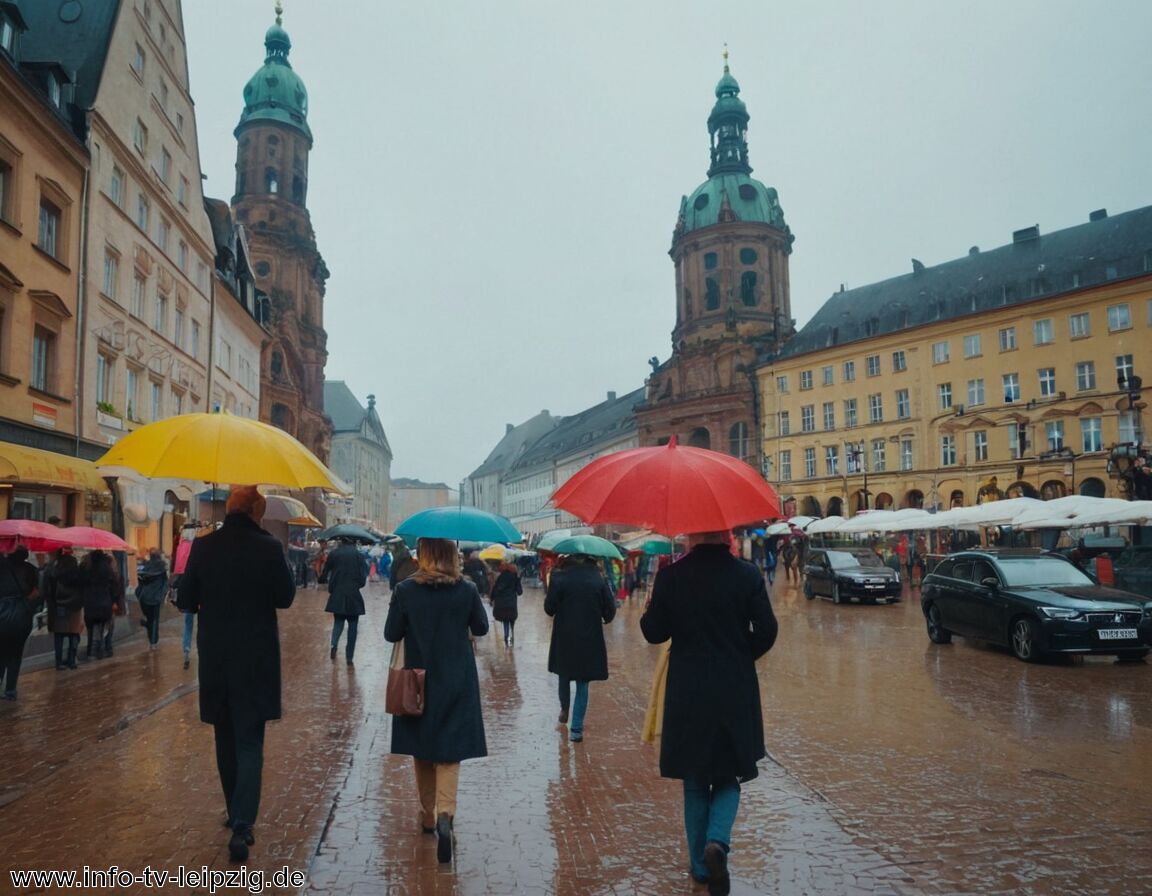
{"x": 1130, "y": 385}
{"x": 859, "y": 458}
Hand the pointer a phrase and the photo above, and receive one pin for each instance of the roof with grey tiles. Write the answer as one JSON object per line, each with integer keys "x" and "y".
{"x": 1033, "y": 267}
{"x": 611, "y": 419}
{"x": 516, "y": 440}
{"x": 80, "y": 45}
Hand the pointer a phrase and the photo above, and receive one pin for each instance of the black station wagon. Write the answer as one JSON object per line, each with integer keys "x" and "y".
{"x": 844, "y": 574}
{"x": 1032, "y": 602}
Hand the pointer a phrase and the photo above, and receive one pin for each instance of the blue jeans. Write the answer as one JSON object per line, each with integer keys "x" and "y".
{"x": 509, "y": 628}
{"x": 189, "y": 621}
{"x": 576, "y": 722}
{"x": 338, "y": 629}
{"x": 709, "y": 813}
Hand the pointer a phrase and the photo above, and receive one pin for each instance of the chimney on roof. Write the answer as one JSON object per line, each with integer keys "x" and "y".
{"x": 917, "y": 266}
{"x": 974, "y": 250}
{"x": 611, "y": 396}
{"x": 508, "y": 427}
{"x": 1026, "y": 234}
{"x": 1099, "y": 215}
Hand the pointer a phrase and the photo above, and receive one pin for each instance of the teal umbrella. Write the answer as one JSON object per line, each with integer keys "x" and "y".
{"x": 592, "y": 545}
{"x": 657, "y": 546}
{"x": 350, "y": 531}
{"x": 458, "y": 524}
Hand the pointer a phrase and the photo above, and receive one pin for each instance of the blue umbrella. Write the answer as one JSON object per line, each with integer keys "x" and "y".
{"x": 458, "y": 524}
{"x": 591, "y": 545}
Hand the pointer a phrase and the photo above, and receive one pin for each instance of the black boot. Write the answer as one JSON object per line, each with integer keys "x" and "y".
{"x": 73, "y": 646}
{"x": 59, "y": 646}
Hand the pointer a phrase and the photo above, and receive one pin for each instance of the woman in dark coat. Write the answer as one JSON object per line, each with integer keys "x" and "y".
{"x": 101, "y": 593}
{"x": 60, "y": 585}
{"x": 345, "y": 575}
{"x": 18, "y": 592}
{"x": 505, "y": 590}
{"x": 581, "y": 600}
{"x": 432, "y": 612}
{"x": 153, "y": 585}
{"x": 715, "y": 608}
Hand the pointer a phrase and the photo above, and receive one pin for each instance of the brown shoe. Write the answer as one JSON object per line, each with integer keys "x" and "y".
{"x": 716, "y": 861}
{"x": 563, "y": 720}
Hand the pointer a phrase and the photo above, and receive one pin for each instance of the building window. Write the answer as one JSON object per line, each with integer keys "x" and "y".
{"x": 899, "y": 361}
{"x": 1085, "y": 376}
{"x": 850, "y": 412}
{"x": 1017, "y": 434}
{"x": 163, "y": 230}
{"x": 194, "y": 346}
{"x": 879, "y": 455}
{"x": 1078, "y": 325}
{"x": 177, "y": 403}
{"x": 785, "y": 424}
{"x": 1054, "y": 430}
{"x": 944, "y": 394}
{"x": 711, "y": 294}
{"x": 948, "y": 451}
{"x": 104, "y": 367}
{"x": 140, "y": 137}
{"x": 131, "y": 393}
{"x": 139, "y": 288}
{"x": 143, "y": 210}
{"x": 160, "y": 320}
{"x": 164, "y": 95}
{"x": 875, "y": 408}
{"x": 748, "y": 288}
{"x": 1011, "y": 387}
{"x": 157, "y": 400}
{"x": 182, "y": 191}
{"x": 805, "y": 379}
{"x": 182, "y": 255}
{"x": 48, "y": 233}
{"x": 829, "y": 415}
{"x": 111, "y": 273}
{"x": 853, "y": 457}
{"x": 138, "y": 60}
{"x": 903, "y": 405}
{"x": 849, "y": 371}
{"x": 1091, "y": 434}
{"x": 1127, "y": 422}
{"x": 1119, "y": 317}
{"x": 43, "y": 359}
{"x": 828, "y": 375}
{"x": 165, "y": 165}
{"x": 1124, "y": 370}
{"x": 905, "y": 454}
{"x": 271, "y": 181}
{"x": 939, "y": 352}
{"x": 810, "y": 463}
{"x": 1007, "y": 339}
{"x": 116, "y": 187}
{"x": 739, "y": 444}
{"x": 808, "y": 418}
{"x": 975, "y": 392}
{"x": 872, "y": 364}
{"x": 178, "y": 329}
{"x": 1048, "y": 381}
{"x": 710, "y": 261}
{"x": 980, "y": 444}
{"x": 832, "y": 460}
{"x": 972, "y": 346}
{"x": 7, "y": 35}
{"x": 782, "y": 385}
{"x": 785, "y": 466}
{"x": 1042, "y": 331}
{"x": 747, "y": 256}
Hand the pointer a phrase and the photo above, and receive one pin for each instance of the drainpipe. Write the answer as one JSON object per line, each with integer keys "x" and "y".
{"x": 81, "y": 308}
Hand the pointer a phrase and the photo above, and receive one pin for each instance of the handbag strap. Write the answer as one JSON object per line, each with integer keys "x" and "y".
{"x": 397, "y": 660}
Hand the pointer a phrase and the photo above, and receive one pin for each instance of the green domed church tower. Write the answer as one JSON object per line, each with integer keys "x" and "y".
{"x": 730, "y": 248}
{"x": 273, "y": 143}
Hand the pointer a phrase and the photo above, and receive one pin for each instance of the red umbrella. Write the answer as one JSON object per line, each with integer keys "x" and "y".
{"x": 34, "y": 535}
{"x": 91, "y": 538}
{"x": 669, "y": 489}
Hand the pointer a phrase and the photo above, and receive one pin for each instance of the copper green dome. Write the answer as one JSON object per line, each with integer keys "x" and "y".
{"x": 276, "y": 92}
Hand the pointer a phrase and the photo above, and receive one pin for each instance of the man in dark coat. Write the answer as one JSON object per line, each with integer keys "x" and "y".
{"x": 236, "y": 579}
{"x": 715, "y": 608}
{"x": 582, "y": 602}
{"x": 345, "y": 574}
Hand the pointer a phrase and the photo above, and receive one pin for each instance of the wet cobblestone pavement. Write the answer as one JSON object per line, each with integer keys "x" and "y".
{"x": 896, "y": 767}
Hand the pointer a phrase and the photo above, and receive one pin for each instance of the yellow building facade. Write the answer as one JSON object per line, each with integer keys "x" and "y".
{"x": 1009, "y": 372}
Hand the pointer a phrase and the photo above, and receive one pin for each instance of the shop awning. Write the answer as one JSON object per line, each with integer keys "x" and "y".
{"x": 32, "y": 465}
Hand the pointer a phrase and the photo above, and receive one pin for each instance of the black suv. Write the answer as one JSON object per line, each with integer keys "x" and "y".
{"x": 843, "y": 574}
{"x": 1033, "y": 602}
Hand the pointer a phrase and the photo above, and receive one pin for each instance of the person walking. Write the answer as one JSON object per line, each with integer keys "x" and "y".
{"x": 18, "y": 598}
{"x": 345, "y": 574}
{"x": 581, "y": 602}
{"x": 153, "y": 584}
{"x": 788, "y": 558}
{"x": 60, "y": 587}
{"x": 433, "y": 612}
{"x": 477, "y": 570}
{"x": 505, "y": 591}
{"x": 100, "y": 594}
{"x": 179, "y": 564}
{"x": 403, "y": 565}
{"x": 716, "y": 611}
{"x": 236, "y": 579}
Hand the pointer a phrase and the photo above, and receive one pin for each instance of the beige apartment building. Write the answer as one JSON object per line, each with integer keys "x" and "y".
{"x": 1014, "y": 371}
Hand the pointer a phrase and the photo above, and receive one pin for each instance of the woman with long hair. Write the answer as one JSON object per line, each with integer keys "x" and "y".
{"x": 433, "y": 612}
{"x": 505, "y": 593}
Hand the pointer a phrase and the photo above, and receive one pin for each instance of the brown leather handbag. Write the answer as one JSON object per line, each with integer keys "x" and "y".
{"x": 405, "y": 694}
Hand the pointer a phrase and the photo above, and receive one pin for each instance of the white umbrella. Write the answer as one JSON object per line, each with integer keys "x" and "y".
{"x": 826, "y": 525}
{"x": 912, "y": 518}
{"x": 1128, "y": 513}
{"x": 780, "y": 529}
{"x": 868, "y": 521}
{"x": 1059, "y": 512}
{"x": 801, "y": 521}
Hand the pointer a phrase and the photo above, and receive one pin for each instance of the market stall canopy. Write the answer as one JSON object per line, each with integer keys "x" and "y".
{"x": 1060, "y": 513}
{"x": 19, "y": 463}
{"x": 820, "y": 527}
{"x": 1132, "y": 513}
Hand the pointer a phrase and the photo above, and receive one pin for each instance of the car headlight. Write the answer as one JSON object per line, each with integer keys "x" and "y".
{"x": 1060, "y": 613}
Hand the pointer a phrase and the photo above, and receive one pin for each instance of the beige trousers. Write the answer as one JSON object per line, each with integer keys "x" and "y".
{"x": 437, "y": 783}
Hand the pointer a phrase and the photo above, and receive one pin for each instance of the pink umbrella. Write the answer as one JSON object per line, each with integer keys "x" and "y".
{"x": 34, "y": 535}
{"x": 91, "y": 538}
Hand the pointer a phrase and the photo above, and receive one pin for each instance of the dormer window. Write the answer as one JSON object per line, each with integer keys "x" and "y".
{"x": 7, "y": 36}
{"x": 53, "y": 90}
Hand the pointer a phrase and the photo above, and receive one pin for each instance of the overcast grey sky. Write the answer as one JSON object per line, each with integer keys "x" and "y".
{"x": 494, "y": 185}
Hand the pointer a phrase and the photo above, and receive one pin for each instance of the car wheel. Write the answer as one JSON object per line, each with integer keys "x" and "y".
{"x": 937, "y": 634}
{"x": 808, "y": 590}
{"x": 836, "y": 598}
{"x": 1023, "y": 640}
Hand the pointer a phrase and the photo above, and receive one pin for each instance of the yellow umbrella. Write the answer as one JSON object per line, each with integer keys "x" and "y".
{"x": 289, "y": 510}
{"x": 221, "y": 448}
{"x": 493, "y": 552}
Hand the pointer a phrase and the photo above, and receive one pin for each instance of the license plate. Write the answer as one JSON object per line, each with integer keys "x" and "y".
{"x": 1117, "y": 634}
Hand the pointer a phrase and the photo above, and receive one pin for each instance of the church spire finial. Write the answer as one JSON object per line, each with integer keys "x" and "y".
{"x": 280, "y": 16}
{"x": 725, "y": 55}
